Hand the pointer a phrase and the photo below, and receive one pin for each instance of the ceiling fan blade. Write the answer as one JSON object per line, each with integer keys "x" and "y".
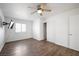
{"x": 48, "y": 10}
{"x": 32, "y": 7}
{"x": 43, "y": 5}
{"x": 33, "y": 12}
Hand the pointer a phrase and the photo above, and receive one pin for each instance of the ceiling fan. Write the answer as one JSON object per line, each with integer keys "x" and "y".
{"x": 40, "y": 9}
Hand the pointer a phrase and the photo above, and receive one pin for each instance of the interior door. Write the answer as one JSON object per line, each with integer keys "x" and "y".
{"x": 74, "y": 32}
{"x": 45, "y": 31}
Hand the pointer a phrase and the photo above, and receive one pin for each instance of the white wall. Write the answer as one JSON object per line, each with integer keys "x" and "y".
{"x": 37, "y": 29}
{"x": 11, "y": 35}
{"x": 74, "y": 32}
{"x": 57, "y": 27}
{"x": 62, "y": 30}
{"x": 2, "y": 42}
{"x": 51, "y": 30}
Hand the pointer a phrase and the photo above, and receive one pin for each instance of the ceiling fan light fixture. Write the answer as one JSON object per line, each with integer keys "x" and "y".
{"x": 39, "y": 11}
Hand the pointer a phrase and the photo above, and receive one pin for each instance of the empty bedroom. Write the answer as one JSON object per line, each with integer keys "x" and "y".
{"x": 39, "y": 29}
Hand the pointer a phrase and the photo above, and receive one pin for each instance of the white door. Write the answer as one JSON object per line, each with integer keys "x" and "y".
{"x": 74, "y": 32}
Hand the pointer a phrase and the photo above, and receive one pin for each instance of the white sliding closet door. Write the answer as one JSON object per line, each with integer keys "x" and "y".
{"x": 74, "y": 32}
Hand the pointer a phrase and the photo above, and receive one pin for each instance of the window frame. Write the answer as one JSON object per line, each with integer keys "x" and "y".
{"x": 21, "y": 28}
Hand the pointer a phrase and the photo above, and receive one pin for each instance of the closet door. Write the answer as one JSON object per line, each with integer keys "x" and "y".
{"x": 74, "y": 32}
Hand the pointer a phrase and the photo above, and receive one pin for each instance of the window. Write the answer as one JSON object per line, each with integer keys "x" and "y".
{"x": 20, "y": 27}
{"x": 23, "y": 27}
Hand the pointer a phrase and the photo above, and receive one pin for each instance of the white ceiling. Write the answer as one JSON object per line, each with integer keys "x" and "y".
{"x": 21, "y": 10}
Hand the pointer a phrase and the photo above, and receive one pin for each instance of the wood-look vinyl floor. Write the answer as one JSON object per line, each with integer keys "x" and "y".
{"x": 32, "y": 47}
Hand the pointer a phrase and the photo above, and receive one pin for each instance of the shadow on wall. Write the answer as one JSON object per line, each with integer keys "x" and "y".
{"x": 0, "y": 22}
